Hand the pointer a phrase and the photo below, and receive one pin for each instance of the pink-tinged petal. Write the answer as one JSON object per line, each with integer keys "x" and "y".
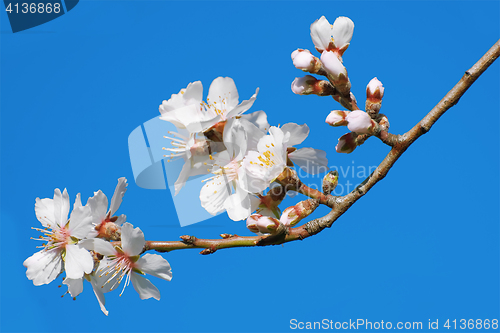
{"x": 133, "y": 240}
{"x": 120, "y": 190}
{"x": 80, "y": 223}
{"x": 321, "y": 33}
{"x": 310, "y": 160}
{"x": 99, "y": 207}
{"x": 77, "y": 261}
{"x": 243, "y": 107}
{"x": 75, "y": 286}
{"x": 99, "y": 245}
{"x": 144, "y": 287}
{"x": 44, "y": 210}
{"x": 214, "y": 193}
{"x": 298, "y": 133}
{"x": 61, "y": 207}
{"x": 155, "y": 265}
{"x": 99, "y": 294}
{"x": 223, "y": 90}
{"x": 44, "y": 266}
{"x": 332, "y": 65}
{"x": 359, "y": 122}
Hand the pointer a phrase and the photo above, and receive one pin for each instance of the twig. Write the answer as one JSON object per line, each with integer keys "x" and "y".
{"x": 339, "y": 205}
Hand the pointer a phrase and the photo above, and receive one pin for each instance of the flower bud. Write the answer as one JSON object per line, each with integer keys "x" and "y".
{"x": 374, "y": 94}
{"x": 109, "y": 230}
{"x": 336, "y": 72}
{"x": 332, "y": 65}
{"x": 360, "y": 122}
{"x": 337, "y": 118}
{"x": 347, "y": 143}
{"x": 375, "y": 89}
{"x": 292, "y": 215}
{"x": 304, "y": 60}
{"x": 330, "y": 181}
{"x": 264, "y": 224}
{"x": 304, "y": 85}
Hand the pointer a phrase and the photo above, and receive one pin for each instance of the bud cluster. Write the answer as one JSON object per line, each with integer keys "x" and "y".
{"x": 330, "y": 41}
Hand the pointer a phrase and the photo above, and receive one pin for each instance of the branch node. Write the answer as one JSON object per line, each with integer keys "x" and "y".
{"x": 209, "y": 250}
{"x": 188, "y": 239}
{"x": 226, "y": 236}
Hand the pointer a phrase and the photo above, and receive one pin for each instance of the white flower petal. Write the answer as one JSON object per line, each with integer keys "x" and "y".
{"x": 120, "y": 190}
{"x": 44, "y": 210}
{"x": 321, "y": 33}
{"x": 99, "y": 294}
{"x": 144, "y": 287}
{"x": 80, "y": 222}
{"x": 61, "y": 207}
{"x": 121, "y": 219}
{"x": 298, "y": 133}
{"x": 310, "y": 160}
{"x": 78, "y": 201}
{"x": 133, "y": 240}
{"x": 223, "y": 90}
{"x": 99, "y": 207}
{"x": 214, "y": 193}
{"x": 75, "y": 286}
{"x": 238, "y": 205}
{"x": 192, "y": 167}
{"x": 259, "y": 119}
{"x": 44, "y": 266}
{"x": 155, "y": 265}
{"x": 342, "y": 31}
{"x": 244, "y": 106}
{"x": 77, "y": 261}
{"x": 99, "y": 245}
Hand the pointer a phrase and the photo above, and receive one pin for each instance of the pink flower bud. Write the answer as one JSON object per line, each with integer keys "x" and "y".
{"x": 332, "y": 65}
{"x": 303, "y": 59}
{"x": 264, "y": 224}
{"x": 375, "y": 89}
{"x": 359, "y": 122}
{"x": 292, "y": 215}
{"x": 337, "y": 118}
{"x": 347, "y": 143}
{"x": 304, "y": 85}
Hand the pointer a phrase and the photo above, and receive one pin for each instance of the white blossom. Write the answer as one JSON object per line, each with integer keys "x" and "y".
{"x": 61, "y": 249}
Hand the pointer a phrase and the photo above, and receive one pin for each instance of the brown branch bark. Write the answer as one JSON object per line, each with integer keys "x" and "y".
{"x": 340, "y": 205}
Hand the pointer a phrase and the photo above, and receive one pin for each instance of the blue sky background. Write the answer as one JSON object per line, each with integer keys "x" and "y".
{"x": 423, "y": 244}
